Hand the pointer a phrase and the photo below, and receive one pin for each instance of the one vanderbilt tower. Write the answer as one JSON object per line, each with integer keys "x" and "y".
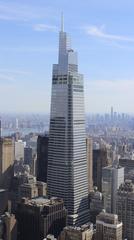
{"x": 67, "y": 163}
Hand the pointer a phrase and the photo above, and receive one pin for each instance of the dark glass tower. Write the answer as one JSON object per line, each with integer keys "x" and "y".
{"x": 67, "y": 162}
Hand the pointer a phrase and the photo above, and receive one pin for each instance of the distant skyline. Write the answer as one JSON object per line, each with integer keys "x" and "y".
{"x": 102, "y": 33}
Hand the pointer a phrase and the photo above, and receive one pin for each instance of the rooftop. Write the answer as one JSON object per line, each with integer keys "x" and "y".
{"x": 42, "y": 201}
{"x": 88, "y": 226}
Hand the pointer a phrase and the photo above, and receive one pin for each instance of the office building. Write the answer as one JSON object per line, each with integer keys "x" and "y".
{"x": 96, "y": 204}
{"x": 112, "y": 113}
{"x": 101, "y": 159}
{"x": 39, "y": 217}
{"x": 128, "y": 165}
{"x": 3, "y": 201}
{"x": 108, "y": 227}
{"x": 125, "y": 208}
{"x": 89, "y": 144}
{"x": 28, "y": 190}
{"x": 112, "y": 177}
{"x": 84, "y": 232}
{"x": 28, "y": 156}
{"x": 32, "y": 190}
{"x": 67, "y": 159}
{"x": 8, "y": 227}
{"x": 6, "y": 162}
{"x": 19, "y": 150}
{"x": 42, "y": 157}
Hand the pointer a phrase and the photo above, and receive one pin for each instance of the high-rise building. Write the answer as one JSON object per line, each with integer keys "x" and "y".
{"x": 42, "y": 157}
{"x": 39, "y": 217}
{"x": 100, "y": 159}
{"x": 89, "y": 143}
{"x": 85, "y": 232}
{"x": 112, "y": 113}
{"x": 32, "y": 190}
{"x": 8, "y": 227}
{"x": 128, "y": 165}
{"x": 112, "y": 177}
{"x": 6, "y": 161}
{"x": 67, "y": 160}
{"x": 28, "y": 155}
{"x": 125, "y": 208}
{"x": 19, "y": 150}
{"x": 96, "y": 204}
{"x": 3, "y": 201}
{"x": 108, "y": 227}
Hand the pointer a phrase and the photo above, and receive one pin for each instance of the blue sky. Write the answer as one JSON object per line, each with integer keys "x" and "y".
{"x": 101, "y": 31}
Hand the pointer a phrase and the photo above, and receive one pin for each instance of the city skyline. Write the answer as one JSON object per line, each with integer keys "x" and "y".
{"x": 29, "y": 43}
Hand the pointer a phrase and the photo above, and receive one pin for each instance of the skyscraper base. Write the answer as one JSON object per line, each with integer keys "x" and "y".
{"x": 79, "y": 219}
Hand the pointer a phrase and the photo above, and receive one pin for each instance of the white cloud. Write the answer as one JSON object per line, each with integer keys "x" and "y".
{"x": 28, "y": 49}
{"x": 44, "y": 27}
{"x": 100, "y": 32}
{"x": 9, "y": 77}
{"x": 22, "y": 12}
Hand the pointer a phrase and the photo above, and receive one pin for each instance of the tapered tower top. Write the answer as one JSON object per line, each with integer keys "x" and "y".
{"x": 62, "y": 22}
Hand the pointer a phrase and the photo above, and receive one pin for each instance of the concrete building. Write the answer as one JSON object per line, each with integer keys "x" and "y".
{"x": 128, "y": 165}
{"x": 19, "y": 150}
{"x": 85, "y": 232}
{"x": 67, "y": 176}
{"x": 96, "y": 204}
{"x": 108, "y": 227}
{"x": 3, "y": 201}
{"x": 6, "y": 162}
{"x": 89, "y": 144}
{"x": 125, "y": 208}
{"x": 8, "y": 227}
{"x": 28, "y": 190}
{"x": 32, "y": 190}
{"x": 112, "y": 177}
{"x": 39, "y": 217}
{"x": 42, "y": 157}
{"x": 25, "y": 185}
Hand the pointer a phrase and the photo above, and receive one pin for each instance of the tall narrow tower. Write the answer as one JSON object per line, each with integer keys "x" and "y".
{"x": 67, "y": 162}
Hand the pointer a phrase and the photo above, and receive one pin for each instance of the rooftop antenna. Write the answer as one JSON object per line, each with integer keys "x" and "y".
{"x": 62, "y": 22}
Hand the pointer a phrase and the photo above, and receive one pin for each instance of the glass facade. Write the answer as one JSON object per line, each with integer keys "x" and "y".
{"x": 67, "y": 160}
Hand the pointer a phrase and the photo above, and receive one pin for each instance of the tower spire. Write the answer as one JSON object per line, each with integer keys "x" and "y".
{"x": 62, "y": 22}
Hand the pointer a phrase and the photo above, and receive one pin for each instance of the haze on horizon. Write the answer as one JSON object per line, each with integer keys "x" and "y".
{"x": 101, "y": 31}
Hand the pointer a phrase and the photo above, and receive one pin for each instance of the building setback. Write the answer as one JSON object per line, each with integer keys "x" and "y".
{"x": 67, "y": 159}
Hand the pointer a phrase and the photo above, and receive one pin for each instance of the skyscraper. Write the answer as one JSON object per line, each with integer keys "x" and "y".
{"x": 89, "y": 144}
{"x": 108, "y": 227}
{"x": 125, "y": 208}
{"x": 112, "y": 177}
{"x": 42, "y": 157}
{"x": 67, "y": 163}
{"x": 6, "y": 161}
